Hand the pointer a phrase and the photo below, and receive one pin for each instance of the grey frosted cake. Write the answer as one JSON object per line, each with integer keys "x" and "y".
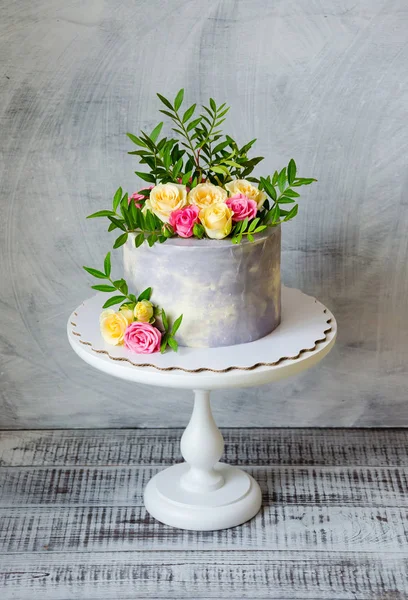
{"x": 228, "y": 294}
{"x": 201, "y": 242}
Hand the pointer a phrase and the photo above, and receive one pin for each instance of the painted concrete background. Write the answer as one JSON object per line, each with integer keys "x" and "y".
{"x": 325, "y": 82}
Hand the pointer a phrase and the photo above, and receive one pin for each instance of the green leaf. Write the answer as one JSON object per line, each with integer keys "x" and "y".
{"x": 260, "y": 228}
{"x": 150, "y": 220}
{"x": 146, "y": 177}
{"x": 101, "y": 213}
{"x": 119, "y": 224}
{"x": 282, "y": 180}
{"x": 193, "y": 124}
{"x": 132, "y": 297}
{"x": 164, "y": 319}
{"x": 117, "y": 198}
{"x": 107, "y": 264}
{"x": 285, "y": 200}
{"x": 292, "y": 213}
{"x": 165, "y": 101}
{"x": 168, "y": 114}
{"x": 198, "y": 230}
{"x": 132, "y": 214}
{"x": 186, "y": 177}
{"x": 136, "y": 141}
{"x": 124, "y": 208}
{"x": 291, "y": 193}
{"x": 122, "y": 239}
{"x": 164, "y": 341}
{"x": 118, "y": 283}
{"x": 275, "y": 178}
{"x": 302, "y": 181}
{"x": 173, "y": 344}
{"x": 95, "y": 273}
{"x": 213, "y": 105}
{"x": 253, "y": 225}
{"x": 275, "y": 213}
{"x": 178, "y": 99}
{"x": 111, "y": 227}
{"x": 291, "y": 171}
{"x": 250, "y": 237}
{"x": 139, "y": 239}
{"x": 145, "y": 295}
{"x": 243, "y": 225}
{"x": 152, "y": 239}
{"x": 104, "y": 288}
{"x": 189, "y": 113}
{"x": 220, "y": 146}
{"x": 247, "y": 146}
{"x": 122, "y": 286}
{"x": 114, "y": 300}
{"x": 176, "y": 325}
{"x": 168, "y": 231}
{"x": 232, "y": 163}
{"x": 177, "y": 167}
{"x": 269, "y": 189}
{"x": 156, "y": 132}
{"x": 220, "y": 169}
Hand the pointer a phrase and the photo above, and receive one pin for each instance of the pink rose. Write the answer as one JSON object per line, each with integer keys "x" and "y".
{"x": 137, "y": 197}
{"x": 184, "y": 219}
{"x": 142, "y": 338}
{"x": 242, "y": 207}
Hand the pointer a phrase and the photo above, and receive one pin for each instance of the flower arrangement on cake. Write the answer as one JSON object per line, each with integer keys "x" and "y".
{"x": 200, "y": 188}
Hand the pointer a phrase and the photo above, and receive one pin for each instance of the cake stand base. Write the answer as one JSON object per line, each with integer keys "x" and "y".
{"x": 236, "y": 501}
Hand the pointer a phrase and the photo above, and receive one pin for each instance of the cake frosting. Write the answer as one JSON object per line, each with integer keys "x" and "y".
{"x": 228, "y": 293}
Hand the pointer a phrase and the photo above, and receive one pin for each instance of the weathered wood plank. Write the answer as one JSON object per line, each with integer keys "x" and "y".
{"x": 175, "y": 574}
{"x": 122, "y": 486}
{"x": 261, "y": 447}
{"x": 277, "y": 528}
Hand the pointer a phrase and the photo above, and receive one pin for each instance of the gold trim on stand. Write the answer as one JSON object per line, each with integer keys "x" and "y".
{"x": 207, "y": 369}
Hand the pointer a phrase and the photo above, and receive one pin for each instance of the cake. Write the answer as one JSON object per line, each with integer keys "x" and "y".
{"x": 201, "y": 244}
{"x": 228, "y": 294}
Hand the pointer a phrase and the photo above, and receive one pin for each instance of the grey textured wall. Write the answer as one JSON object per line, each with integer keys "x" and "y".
{"x": 325, "y": 82}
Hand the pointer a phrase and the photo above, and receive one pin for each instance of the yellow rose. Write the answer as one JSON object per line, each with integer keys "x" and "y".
{"x": 205, "y": 194}
{"x": 143, "y": 311}
{"x": 113, "y": 325}
{"x": 242, "y": 186}
{"x": 166, "y": 197}
{"x": 128, "y": 314}
{"x": 216, "y": 220}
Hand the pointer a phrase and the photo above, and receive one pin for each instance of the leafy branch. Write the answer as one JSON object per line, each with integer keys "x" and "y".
{"x": 279, "y": 189}
{"x": 130, "y": 300}
{"x": 132, "y": 219}
{"x": 118, "y": 285}
{"x": 169, "y": 332}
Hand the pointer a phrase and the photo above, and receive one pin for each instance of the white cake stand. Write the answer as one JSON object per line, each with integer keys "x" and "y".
{"x": 202, "y": 493}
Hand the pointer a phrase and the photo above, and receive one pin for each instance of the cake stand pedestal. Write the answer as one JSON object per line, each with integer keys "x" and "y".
{"x": 203, "y": 493}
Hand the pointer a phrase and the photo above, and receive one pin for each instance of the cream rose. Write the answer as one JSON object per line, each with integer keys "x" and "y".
{"x": 113, "y": 326}
{"x": 205, "y": 194}
{"x": 128, "y": 314}
{"x": 166, "y": 197}
{"x": 216, "y": 220}
{"x": 242, "y": 186}
{"x": 143, "y": 311}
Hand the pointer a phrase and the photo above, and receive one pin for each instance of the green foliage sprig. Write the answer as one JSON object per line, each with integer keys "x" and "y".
{"x": 279, "y": 189}
{"x": 202, "y": 153}
{"x": 128, "y": 300}
{"x": 197, "y": 158}
{"x": 132, "y": 219}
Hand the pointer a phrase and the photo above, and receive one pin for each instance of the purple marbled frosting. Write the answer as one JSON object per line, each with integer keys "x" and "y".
{"x": 228, "y": 294}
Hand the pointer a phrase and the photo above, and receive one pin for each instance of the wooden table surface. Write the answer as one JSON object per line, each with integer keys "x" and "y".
{"x": 333, "y": 524}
